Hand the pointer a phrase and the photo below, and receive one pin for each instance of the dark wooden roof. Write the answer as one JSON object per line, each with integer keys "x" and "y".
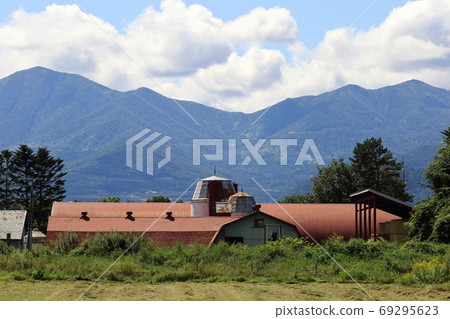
{"x": 387, "y": 203}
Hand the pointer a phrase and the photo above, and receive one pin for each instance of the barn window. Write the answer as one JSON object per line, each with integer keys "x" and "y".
{"x": 259, "y": 223}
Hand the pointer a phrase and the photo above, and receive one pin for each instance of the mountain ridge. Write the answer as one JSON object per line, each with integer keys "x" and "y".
{"x": 87, "y": 125}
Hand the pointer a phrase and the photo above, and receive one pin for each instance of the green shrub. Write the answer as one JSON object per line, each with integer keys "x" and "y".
{"x": 425, "y": 247}
{"x": 357, "y": 247}
{"x": 398, "y": 261}
{"x": 20, "y": 260}
{"x": 335, "y": 245}
{"x": 111, "y": 244}
{"x": 38, "y": 274}
{"x": 427, "y": 272}
{"x": 4, "y": 249}
{"x": 289, "y": 243}
{"x": 19, "y": 276}
{"x": 65, "y": 243}
{"x": 441, "y": 227}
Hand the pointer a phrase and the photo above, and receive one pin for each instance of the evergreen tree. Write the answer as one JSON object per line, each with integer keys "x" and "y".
{"x": 25, "y": 173}
{"x": 48, "y": 185}
{"x": 334, "y": 183}
{"x": 375, "y": 167}
{"x": 5, "y": 179}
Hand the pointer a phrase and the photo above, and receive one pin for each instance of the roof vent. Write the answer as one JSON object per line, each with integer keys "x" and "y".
{"x": 169, "y": 216}
{"x": 129, "y": 216}
{"x": 256, "y": 208}
{"x": 84, "y": 216}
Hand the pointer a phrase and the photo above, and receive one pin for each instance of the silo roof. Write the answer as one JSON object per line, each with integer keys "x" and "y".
{"x": 215, "y": 178}
{"x": 201, "y": 190}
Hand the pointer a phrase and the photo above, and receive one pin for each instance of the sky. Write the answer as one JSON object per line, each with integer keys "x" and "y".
{"x": 233, "y": 55}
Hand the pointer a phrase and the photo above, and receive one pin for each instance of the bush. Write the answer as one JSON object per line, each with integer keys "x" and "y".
{"x": 65, "y": 243}
{"x": 38, "y": 274}
{"x": 335, "y": 245}
{"x": 441, "y": 228}
{"x": 289, "y": 243}
{"x": 111, "y": 244}
{"x": 398, "y": 261}
{"x": 425, "y": 247}
{"x": 4, "y": 249}
{"x": 357, "y": 247}
{"x": 20, "y": 260}
{"x": 427, "y": 272}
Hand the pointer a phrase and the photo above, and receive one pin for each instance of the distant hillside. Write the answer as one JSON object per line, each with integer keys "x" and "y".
{"x": 87, "y": 125}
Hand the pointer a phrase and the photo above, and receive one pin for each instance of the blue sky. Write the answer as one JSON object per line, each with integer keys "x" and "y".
{"x": 313, "y": 17}
{"x": 234, "y": 55}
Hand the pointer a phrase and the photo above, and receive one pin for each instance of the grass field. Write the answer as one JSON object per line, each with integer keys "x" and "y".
{"x": 288, "y": 269}
{"x": 229, "y": 291}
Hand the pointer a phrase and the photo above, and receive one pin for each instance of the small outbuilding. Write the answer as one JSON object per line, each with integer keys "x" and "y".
{"x": 12, "y": 227}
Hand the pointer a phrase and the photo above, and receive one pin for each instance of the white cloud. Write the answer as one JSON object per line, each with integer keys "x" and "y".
{"x": 274, "y": 25}
{"x": 413, "y": 42}
{"x": 232, "y": 65}
{"x": 59, "y": 37}
{"x": 240, "y": 77}
{"x": 178, "y": 40}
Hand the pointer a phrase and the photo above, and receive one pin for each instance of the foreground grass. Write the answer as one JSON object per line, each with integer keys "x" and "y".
{"x": 229, "y": 291}
{"x": 288, "y": 261}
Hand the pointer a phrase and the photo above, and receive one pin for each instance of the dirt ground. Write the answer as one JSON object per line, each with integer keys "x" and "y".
{"x": 229, "y": 291}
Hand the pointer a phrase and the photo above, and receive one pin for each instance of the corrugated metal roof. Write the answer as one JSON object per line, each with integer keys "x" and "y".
{"x": 94, "y": 209}
{"x": 105, "y": 224}
{"x": 164, "y": 231}
{"x": 12, "y": 222}
{"x": 321, "y": 220}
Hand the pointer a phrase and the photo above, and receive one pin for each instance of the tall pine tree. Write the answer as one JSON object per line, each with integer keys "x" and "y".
{"x": 22, "y": 172}
{"x": 48, "y": 185}
{"x": 375, "y": 167}
{"x": 25, "y": 173}
{"x": 6, "y": 182}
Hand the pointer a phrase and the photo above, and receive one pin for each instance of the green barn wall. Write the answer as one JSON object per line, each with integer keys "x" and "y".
{"x": 254, "y": 236}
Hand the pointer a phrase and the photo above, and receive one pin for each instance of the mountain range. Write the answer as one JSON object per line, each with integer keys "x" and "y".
{"x": 87, "y": 125}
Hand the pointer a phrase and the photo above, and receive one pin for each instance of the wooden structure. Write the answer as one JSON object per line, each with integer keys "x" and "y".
{"x": 366, "y": 204}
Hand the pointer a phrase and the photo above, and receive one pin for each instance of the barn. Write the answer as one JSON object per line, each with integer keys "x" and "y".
{"x": 218, "y": 212}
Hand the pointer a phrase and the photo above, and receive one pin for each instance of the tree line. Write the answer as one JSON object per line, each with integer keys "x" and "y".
{"x": 154, "y": 199}
{"x": 371, "y": 166}
{"x": 31, "y": 177}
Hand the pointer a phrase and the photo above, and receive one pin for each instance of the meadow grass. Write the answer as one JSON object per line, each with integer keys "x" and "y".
{"x": 285, "y": 261}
